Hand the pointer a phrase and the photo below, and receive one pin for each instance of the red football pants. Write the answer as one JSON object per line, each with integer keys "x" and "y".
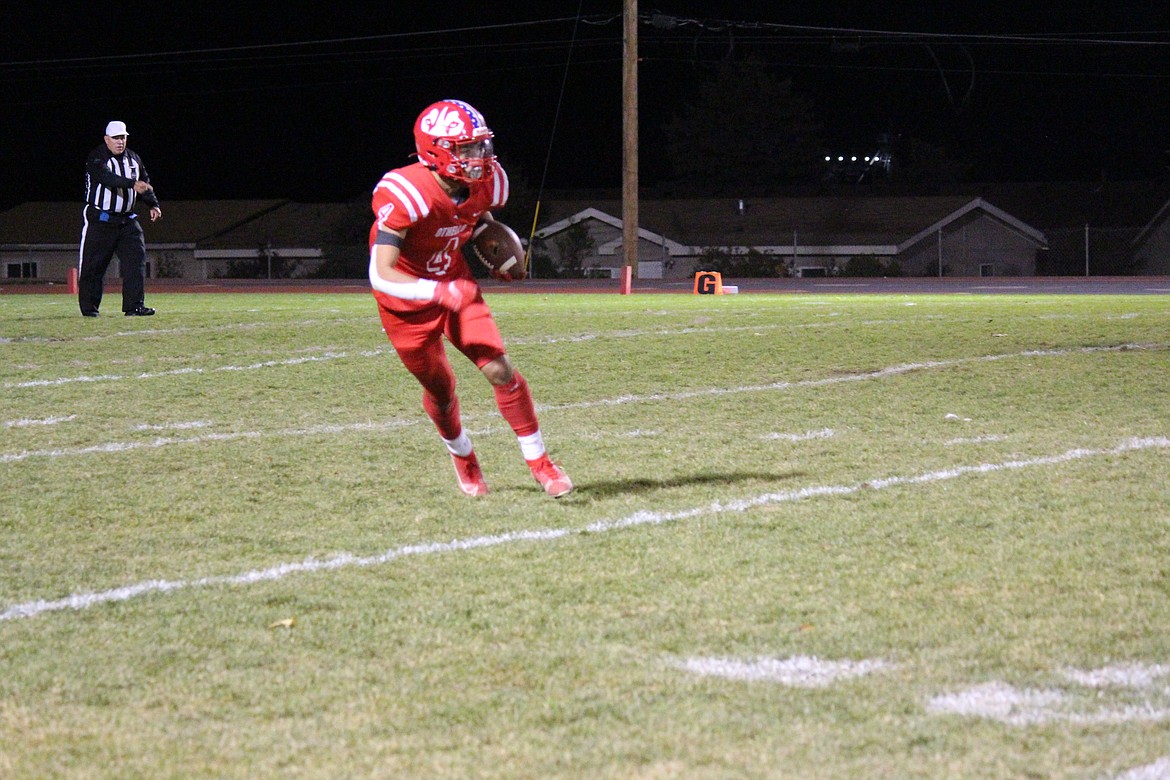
{"x": 416, "y": 330}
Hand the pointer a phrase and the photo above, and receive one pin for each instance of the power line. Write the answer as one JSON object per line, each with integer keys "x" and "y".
{"x": 73, "y": 61}
{"x": 666, "y": 22}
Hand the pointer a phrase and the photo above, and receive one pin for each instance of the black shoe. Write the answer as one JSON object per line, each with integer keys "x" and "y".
{"x": 89, "y": 314}
{"x": 141, "y": 311}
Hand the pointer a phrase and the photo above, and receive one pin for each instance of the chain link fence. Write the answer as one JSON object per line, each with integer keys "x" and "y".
{"x": 1088, "y": 251}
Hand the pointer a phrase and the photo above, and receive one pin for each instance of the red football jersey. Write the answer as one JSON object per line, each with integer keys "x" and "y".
{"x": 436, "y": 226}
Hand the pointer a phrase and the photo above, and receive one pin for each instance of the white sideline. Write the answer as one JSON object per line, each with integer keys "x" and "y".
{"x": 79, "y": 601}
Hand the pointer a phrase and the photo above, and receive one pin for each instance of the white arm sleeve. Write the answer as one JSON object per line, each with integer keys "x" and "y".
{"x": 418, "y": 290}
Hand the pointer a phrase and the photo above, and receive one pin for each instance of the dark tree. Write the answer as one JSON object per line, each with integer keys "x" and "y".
{"x": 744, "y": 128}
{"x": 925, "y": 166}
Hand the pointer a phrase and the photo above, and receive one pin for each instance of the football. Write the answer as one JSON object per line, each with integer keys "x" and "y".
{"x": 499, "y": 249}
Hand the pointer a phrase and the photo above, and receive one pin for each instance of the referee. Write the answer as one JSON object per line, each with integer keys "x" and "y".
{"x": 115, "y": 179}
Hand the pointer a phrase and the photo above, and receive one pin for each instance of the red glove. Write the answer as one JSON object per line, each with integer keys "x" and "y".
{"x": 455, "y": 294}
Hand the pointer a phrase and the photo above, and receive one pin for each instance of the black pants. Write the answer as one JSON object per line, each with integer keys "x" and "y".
{"x": 102, "y": 236}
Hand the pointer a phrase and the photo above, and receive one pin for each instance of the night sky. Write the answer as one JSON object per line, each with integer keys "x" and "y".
{"x": 314, "y": 101}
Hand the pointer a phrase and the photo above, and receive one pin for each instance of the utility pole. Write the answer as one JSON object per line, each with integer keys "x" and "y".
{"x": 630, "y": 143}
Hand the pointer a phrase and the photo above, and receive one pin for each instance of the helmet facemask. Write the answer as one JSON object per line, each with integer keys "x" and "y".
{"x": 467, "y": 160}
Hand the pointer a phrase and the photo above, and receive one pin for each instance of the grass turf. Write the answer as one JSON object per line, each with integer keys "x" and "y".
{"x": 729, "y": 455}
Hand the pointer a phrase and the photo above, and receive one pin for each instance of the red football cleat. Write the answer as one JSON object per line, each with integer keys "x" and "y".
{"x": 470, "y": 476}
{"x": 551, "y": 477}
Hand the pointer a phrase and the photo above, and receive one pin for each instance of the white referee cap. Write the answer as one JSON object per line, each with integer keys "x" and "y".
{"x": 116, "y": 128}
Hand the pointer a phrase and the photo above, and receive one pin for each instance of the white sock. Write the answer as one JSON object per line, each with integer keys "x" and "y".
{"x": 460, "y": 445}
{"x": 531, "y": 446}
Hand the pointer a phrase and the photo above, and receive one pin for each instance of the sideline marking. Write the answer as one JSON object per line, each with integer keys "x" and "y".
{"x": 79, "y": 601}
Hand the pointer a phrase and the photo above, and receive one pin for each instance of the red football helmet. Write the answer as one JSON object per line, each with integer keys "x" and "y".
{"x": 452, "y": 138}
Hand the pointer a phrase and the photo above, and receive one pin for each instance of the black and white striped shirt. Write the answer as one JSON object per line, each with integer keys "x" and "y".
{"x": 109, "y": 181}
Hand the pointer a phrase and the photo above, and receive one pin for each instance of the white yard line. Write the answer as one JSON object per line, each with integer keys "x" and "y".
{"x": 166, "y": 441}
{"x": 185, "y": 331}
{"x": 1012, "y": 706}
{"x": 1085, "y": 701}
{"x": 1088, "y": 698}
{"x": 373, "y": 319}
{"x": 175, "y": 426}
{"x": 682, "y": 395}
{"x": 905, "y": 368}
{"x": 691, "y": 330}
{"x": 197, "y": 371}
{"x": 824, "y": 433}
{"x": 1159, "y": 770}
{"x": 976, "y": 439}
{"x": 80, "y": 601}
{"x": 1131, "y": 675}
{"x": 334, "y": 354}
{"x": 25, "y": 423}
{"x": 797, "y": 671}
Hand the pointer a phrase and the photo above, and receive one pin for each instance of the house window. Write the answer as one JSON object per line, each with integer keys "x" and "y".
{"x": 25, "y": 270}
{"x": 986, "y": 269}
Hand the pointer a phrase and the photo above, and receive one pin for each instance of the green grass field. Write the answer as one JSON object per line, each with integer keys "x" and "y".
{"x": 812, "y": 537}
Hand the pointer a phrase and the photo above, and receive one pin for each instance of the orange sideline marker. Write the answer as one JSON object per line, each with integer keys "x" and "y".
{"x": 708, "y": 283}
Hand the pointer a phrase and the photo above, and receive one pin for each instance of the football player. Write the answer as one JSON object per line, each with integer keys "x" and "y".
{"x": 423, "y": 214}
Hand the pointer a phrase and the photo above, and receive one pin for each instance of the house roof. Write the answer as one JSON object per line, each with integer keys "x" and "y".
{"x": 851, "y": 222}
{"x": 183, "y": 222}
{"x": 1053, "y": 205}
{"x": 207, "y": 224}
{"x": 607, "y": 249}
{"x": 297, "y": 224}
{"x": 863, "y": 220}
{"x": 1151, "y": 226}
